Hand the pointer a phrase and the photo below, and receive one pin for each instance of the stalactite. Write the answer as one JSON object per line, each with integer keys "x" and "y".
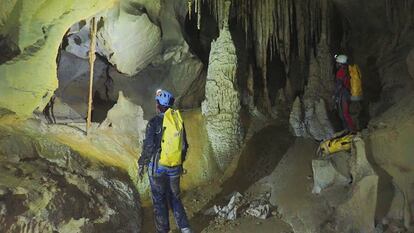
{"x": 288, "y": 29}
{"x": 189, "y": 4}
{"x": 197, "y": 10}
{"x": 198, "y": 7}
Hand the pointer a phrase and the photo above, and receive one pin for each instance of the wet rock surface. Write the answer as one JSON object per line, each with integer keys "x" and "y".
{"x": 47, "y": 187}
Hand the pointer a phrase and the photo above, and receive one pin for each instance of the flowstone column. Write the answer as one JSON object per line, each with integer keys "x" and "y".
{"x": 221, "y": 106}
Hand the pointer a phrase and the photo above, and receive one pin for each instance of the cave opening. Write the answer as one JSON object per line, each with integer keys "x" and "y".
{"x": 69, "y": 103}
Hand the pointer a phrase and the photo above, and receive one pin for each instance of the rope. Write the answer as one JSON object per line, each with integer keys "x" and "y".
{"x": 91, "y": 64}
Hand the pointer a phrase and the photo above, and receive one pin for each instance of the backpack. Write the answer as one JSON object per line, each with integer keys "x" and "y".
{"x": 172, "y": 139}
{"x": 356, "y": 82}
{"x": 333, "y": 145}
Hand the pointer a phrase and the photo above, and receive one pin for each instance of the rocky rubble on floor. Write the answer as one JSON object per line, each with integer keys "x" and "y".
{"x": 240, "y": 205}
{"x": 47, "y": 187}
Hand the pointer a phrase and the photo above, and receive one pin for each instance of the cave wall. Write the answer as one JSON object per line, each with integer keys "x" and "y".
{"x": 390, "y": 145}
{"x": 46, "y": 186}
{"x": 379, "y": 36}
{"x": 37, "y": 28}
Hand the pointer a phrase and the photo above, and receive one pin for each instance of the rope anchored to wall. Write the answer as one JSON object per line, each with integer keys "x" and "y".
{"x": 91, "y": 64}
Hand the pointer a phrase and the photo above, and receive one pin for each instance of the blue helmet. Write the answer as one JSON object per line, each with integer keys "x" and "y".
{"x": 164, "y": 98}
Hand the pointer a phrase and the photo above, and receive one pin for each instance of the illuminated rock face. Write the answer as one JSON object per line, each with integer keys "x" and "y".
{"x": 37, "y": 28}
{"x": 129, "y": 42}
{"x": 222, "y": 104}
{"x": 56, "y": 190}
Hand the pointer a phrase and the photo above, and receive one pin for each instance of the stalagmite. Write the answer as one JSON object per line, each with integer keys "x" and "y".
{"x": 309, "y": 116}
{"x": 222, "y": 104}
{"x": 282, "y": 29}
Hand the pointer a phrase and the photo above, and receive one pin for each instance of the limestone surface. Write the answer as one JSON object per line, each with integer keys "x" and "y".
{"x": 390, "y": 144}
{"x": 325, "y": 175}
{"x": 47, "y": 187}
{"x": 37, "y": 27}
{"x": 309, "y": 118}
{"x": 222, "y": 101}
{"x": 129, "y": 42}
{"x": 74, "y": 85}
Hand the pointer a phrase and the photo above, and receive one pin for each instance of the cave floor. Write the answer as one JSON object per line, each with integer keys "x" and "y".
{"x": 261, "y": 155}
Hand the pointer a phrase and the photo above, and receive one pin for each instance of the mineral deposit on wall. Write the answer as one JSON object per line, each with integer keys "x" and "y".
{"x": 222, "y": 104}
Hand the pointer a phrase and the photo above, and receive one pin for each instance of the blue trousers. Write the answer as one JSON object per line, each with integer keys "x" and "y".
{"x": 165, "y": 190}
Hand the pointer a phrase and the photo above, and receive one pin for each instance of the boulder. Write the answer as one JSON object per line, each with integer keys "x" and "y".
{"x": 129, "y": 41}
{"x": 340, "y": 161}
{"x": 52, "y": 189}
{"x": 389, "y": 142}
{"x": 126, "y": 118}
{"x": 183, "y": 71}
{"x": 325, "y": 175}
{"x": 359, "y": 165}
{"x": 344, "y": 203}
{"x": 357, "y": 214}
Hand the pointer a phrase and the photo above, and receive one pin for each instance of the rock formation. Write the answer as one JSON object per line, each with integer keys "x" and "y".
{"x": 47, "y": 187}
{"x": 222, "y": 104}
{"x": 72, "y": 94}
{"x": 388, "y": 138}
{"x": 125, "y": 117}
{"x": 310, "y": 119}
{"x": 325, "y": 175}
{"x": 37, "y": 29}
{"x": 278, "y": 54}
{"x": 129, "y": 42}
